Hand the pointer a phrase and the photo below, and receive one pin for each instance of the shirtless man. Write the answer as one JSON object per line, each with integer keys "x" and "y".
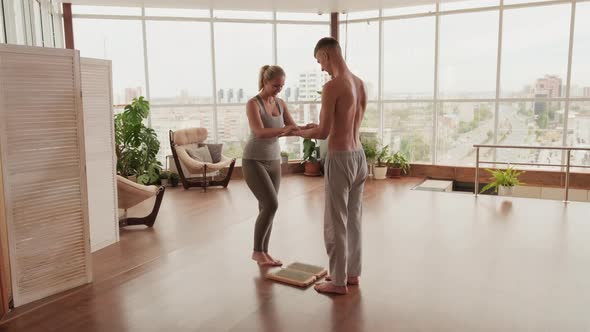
{"x": 344, "y": 102}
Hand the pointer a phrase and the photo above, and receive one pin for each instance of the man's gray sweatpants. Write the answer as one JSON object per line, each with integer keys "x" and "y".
{"x": 345, "y": 175}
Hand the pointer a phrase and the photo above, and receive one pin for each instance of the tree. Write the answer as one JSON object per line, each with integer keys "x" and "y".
{"x": 415, "y": 148}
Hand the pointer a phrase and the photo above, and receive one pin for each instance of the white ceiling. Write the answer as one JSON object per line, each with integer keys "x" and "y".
{"x": 310, "y": 6}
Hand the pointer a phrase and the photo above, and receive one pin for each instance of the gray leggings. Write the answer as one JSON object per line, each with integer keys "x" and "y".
{"x": 263, "y": 178}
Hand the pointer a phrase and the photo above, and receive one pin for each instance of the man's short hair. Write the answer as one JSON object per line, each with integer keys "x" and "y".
{"x": 326, "y": 42}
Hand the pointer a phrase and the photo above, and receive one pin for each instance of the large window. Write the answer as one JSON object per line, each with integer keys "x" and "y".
{"x": 37, "y": 23}
{"x": 534, "y": 51}
{"x": 179, "y": 62}
{"x": 18, "y": 8}
{"x": 579, "y": 132}
{"x": 121, "y": 42}
{"x": 580, "y": 86}
{"x": 408, "y": 61}
{"x": 468, "y": 52}
{"x": 237, "y": 76}
{"x": 460, "y": 125}
{"x": 295, "y": 44}
{"x": 530, "y": 123}
{"x": 2, "y": 31}
{"x": 408, "y": 128}
{"x": 360, "y": 44}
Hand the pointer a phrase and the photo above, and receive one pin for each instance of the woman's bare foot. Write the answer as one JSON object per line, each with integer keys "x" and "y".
{"x": 261, "y": 259}
{"x": 276, "y": 262}
{"x": 352, "y": 281}
{"x": 330, "y": 288}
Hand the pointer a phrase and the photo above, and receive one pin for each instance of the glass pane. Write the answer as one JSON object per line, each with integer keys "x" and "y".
{"x": 408, "y": 9}
{"x": 37, "y": 24}
{"x": 302, "y": 114}
{"x": 303, "y": 17}
{"x": 535, "y": 46}
{"x": 371, "y": 121}
{"x": 233, "y": 129}
{"x": 468, "y": 74}
{"x": 460, "y": 125}
{"x": 360, "y": 44}
{"x": 19, "y": 18}
{"x": 512, "y": 2}
{"x": 241, "y": 14}
{"x": 530, "y": 123}
{"x": 295, "y": 56}
{"x": 2, "y": 33}
{"x": 358, "y": 15}
{"x": 179, "y": 60}
{"x": 578, "y": 133}
{"x": 580, "y": 86}
{"x": 407, "y": 128}
{"x": 467, "y": 4}
{"x": 121, "y": 42}
{"x": 408, "y": 58}
{"x": 174, "y": 118}
{"x": 106, "y": 10}
{"x": 240, "y": 73}
{"x": 177, "y": 12}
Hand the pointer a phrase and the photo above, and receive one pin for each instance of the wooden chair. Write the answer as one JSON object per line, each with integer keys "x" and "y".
{"x": 130, "y": 194}
{"x": 194, "y": 173}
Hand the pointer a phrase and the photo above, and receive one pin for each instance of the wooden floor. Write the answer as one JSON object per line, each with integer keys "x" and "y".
{"x": 432, "y": 262}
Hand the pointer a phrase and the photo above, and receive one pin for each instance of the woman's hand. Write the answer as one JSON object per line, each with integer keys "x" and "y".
{"x": 289, "y": 130}
{"x": 310, "y": 126}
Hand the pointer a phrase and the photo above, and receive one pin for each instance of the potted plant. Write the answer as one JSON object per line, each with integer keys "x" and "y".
{"x": 136, "y": 145}
{"x": 370, "y": 149}
{"x": 284, "y": 157}
{"x": 174, "y": 179}
{"x": 503, "y": 181}
{"x": 397, "y": 164}
{"x": 311, "y": 157}
{"x": 164, "y": 176}
{"x": 380, "y": 169}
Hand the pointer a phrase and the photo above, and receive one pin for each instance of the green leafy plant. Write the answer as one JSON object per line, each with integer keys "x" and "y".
{"x": 284, "y": 154}
{"x": 164, "y": 175}
{"x": 311, "y": 152}
{"x": 174, "y": 179}
{"x": 136, "y": 145}
{"x": 382, "y": 156}
{"x": 398, "y": 160}
{"x": 506, "y": 178}
{"x": 370, "y": 148}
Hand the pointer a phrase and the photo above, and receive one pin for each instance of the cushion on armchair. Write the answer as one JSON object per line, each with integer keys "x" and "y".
{"x": 201, "y": 154}
{"x": 214, "y": 150}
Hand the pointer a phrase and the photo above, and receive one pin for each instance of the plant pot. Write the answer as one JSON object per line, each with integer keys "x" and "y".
{"x": 174, "y": 182}
{"x": 395, "y": 172}
{"x": 312, "y": 169}
{"x": 164, "y": 182}
{"x": 284, "y": 159}
{"x": 132, "y": 178}
{"x": 380, "y": 172}
{"x": 505, "y": 191}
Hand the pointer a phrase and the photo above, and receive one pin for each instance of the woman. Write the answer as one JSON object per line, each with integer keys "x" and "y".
{"x": 269, "y": 119}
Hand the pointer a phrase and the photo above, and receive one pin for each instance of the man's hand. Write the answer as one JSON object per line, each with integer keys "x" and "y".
{"x": 310, "y": 126}
{"x": 289, "y": 130}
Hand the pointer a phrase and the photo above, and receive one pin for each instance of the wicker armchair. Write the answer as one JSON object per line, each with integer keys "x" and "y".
{"x": 194, "y": 173}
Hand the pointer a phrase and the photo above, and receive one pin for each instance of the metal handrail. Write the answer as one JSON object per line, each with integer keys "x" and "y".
{"x": 568, "y": 164}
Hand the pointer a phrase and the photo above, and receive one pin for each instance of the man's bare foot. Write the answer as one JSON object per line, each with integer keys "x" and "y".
{"x": 261, "y": 259}
{"x": 276, "y": 262}
{"x": 330, "y": 288}
{"x": 351, "y": 281}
